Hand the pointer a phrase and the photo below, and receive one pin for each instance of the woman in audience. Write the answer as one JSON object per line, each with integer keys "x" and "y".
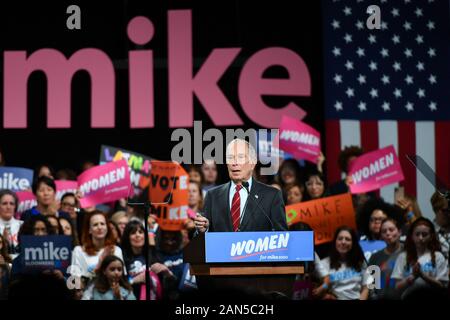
{"x": 134, "y": 257}
{"x": 372, "y": 213}
{"x": 68, "y": 229}
{"x": 97, "y": 243}
{"x": 45, "y": 170}
{"x": 195, "y": 173}
{"x": 289, "y": 173}
{"x": 421, "y": 264}
{"x": 45, "y": 191}
{"x": 55, "y": 224}
{"x": 385, "y": 258}
{"x": 442, "y": 222}
{"x": 315, "y": 185}
{"x": 110, "y": 282}
{"x": 209, "y": 170}
{"x": 195, "y": 197}
{"x": 37, "y": 225}
{"x": 9, "y": 226}
{"x": 346, "y": 156}
{"x": 120, "y": 219}
{"x": 346, "y": 267}
{"x": 294, "y": 193}
{"x": 169, "y": 252}
{"x": 70, "y": 203}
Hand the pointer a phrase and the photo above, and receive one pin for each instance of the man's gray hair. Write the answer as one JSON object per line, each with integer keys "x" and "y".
{"x": 251, "y": 150}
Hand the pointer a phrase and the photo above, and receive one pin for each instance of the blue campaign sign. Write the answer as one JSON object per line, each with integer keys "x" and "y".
{"x": 279, "y": 246}
{"x": 46, "y": 252}
{"x": 15, "y": 179}
{"x": 188, "y": 281}
{"x": 371, "y": 246}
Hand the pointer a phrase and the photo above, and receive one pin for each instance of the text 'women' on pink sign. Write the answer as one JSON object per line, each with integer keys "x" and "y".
{"x": 104, "y": 183}
{"x": 299, "y": 139}
{"x": 375, "y": 170}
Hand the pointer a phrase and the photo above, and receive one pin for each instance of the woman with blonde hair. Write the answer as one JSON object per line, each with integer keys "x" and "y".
{"x": 120, "y": 219}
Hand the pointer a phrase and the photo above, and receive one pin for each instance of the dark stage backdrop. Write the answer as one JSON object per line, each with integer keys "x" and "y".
{"x": 250, "y": 25}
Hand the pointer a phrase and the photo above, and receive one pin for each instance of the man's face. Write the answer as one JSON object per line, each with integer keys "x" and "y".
{"x": 240, "y": 166}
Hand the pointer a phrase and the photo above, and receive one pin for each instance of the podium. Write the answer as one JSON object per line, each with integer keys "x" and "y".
{"x": 234, "y": 273}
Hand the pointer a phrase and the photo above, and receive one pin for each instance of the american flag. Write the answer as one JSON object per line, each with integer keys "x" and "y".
{"x": 389, "y": 86}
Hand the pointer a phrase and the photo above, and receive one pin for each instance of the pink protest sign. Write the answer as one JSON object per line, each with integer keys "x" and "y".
{"x": 299, "y": 139}
{"x": 191, "y": 213}
{"x": 27, "y": 200}
{"x": 104, "y": 183}
{"x": 65, "y": 186}
{"x": 374, "y": 170}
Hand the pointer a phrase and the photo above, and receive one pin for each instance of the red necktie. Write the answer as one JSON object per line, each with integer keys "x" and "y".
{"x": 236, "y": 208}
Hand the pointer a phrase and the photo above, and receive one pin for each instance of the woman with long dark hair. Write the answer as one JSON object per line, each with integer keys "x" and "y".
{"x": 421, "y": 264}
{"x": 315, "y": 185}
{"x": 133, "y": 239}
{"x": 372, "y": 214}
{"x": 346, "y": 267}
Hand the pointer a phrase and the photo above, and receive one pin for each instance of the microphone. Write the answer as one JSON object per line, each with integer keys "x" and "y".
{"x": 245, "y": 185}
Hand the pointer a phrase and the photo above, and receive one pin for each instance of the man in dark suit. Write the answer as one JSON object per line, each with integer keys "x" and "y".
{"x": 228, "y": 207}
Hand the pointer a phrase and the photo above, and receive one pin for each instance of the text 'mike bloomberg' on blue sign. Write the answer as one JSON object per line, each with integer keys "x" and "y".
{"x": 278, "y": 246}
{"x": 46, "y": 252}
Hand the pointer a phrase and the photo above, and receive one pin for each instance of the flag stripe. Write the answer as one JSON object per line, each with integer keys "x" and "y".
{"x": 350, "y": 133}
{"x": 442, "y": 139}
{"x": 369, "y": 135}
{"x": 425, "y": 148}
{"x": 407, "y": 146}
{"x": 333, "y": 147}
{"x": 387, "y": 135}
{"x": 369, "y": 138}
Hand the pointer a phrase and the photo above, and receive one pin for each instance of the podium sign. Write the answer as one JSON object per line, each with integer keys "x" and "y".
{"x": 272, "y": 247}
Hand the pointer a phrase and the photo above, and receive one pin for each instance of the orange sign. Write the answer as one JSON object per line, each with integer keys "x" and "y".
{"x": 324, "y": 215}
{"x": 168, "y": 194}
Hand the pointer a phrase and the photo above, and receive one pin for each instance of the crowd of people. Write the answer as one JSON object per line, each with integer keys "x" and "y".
{"x": 109, "y": 256}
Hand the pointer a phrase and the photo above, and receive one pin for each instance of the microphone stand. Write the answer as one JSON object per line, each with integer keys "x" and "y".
{"x": 245, "y": 184}
{"x": 430, "y": 175}
{"x": 147, "y": 207}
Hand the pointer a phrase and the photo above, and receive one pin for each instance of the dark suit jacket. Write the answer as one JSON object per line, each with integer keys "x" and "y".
{"x": 217, "y": 209}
